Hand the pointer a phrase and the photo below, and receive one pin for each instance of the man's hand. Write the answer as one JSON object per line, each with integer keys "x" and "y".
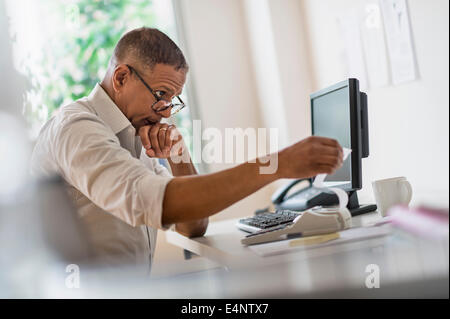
{"x": 161, "y": 140}
{"x": 310, "y": 157}
{"x": 165, "y": 141}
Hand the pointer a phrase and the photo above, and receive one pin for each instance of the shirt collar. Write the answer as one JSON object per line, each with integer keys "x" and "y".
{"x": 107, "y": 110}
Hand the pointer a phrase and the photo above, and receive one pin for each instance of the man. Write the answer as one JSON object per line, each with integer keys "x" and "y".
{"x": 107, "y": 145}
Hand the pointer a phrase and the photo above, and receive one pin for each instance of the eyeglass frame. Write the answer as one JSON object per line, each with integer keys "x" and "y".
{"x": 157, "y": 98}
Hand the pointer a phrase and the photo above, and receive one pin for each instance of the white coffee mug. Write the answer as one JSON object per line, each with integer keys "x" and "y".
{"x": 390, "y": 192}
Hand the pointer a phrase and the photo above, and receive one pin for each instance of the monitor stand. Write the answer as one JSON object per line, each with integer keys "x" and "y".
{"x": 356, "y": 209}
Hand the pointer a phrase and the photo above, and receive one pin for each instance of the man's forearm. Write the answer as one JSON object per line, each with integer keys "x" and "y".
{"x": 193, "y": 228}
{"x": 190, "y": 198}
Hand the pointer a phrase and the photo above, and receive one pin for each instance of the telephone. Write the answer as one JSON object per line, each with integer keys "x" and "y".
{"x": 311, "y": 196}
{"x": 303, "y": 199}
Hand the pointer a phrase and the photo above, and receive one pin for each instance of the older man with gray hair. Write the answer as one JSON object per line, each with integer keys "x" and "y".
{"x": 106, "y": 146}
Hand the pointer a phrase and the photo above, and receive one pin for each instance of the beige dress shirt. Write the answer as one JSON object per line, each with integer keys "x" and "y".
{"x": 117, "y": 189}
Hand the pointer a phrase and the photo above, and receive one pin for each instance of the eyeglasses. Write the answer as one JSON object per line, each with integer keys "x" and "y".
{"x": 175, "y": 107}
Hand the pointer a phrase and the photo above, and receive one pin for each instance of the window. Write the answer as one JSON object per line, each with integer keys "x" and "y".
{"x": 63, "y": 47}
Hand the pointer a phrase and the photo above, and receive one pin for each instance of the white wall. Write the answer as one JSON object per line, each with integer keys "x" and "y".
{"x": 220, "y": 65}
{"x": 216, "y": 46}
{"x": 409, "y": 130}
{"x": 408, "y": 123}
{"x": 294, "y": 63}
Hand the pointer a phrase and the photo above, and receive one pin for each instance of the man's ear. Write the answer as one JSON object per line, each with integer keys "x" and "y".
{"x": 120, "y": 77}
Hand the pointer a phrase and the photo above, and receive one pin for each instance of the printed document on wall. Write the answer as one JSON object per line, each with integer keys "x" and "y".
{"x": 399, "y": 40}
{"x": 375, "y": 45}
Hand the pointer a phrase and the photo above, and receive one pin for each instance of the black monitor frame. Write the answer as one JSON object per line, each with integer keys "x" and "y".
{"x": 355, "y": 128}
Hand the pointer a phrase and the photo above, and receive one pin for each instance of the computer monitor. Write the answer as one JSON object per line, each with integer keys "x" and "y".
{"x": 340, "y": 112}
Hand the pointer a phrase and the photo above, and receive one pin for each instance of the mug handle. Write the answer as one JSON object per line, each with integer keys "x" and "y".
{"x": 409, "y": 190}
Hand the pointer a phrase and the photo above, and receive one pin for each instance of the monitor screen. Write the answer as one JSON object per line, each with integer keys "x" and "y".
{"x": 331, "y": 118}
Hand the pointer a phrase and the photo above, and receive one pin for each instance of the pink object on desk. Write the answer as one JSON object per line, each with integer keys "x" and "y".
{"x": 422, "y": 221}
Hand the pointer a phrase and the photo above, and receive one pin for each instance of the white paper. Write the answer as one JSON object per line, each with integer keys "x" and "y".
{"x": 346, "y": 236}
{"x": 372, "y": 32}
{"x": 399, "y": 41}
{"x": 341, "y": 194}
{"x": 351, "y": 36}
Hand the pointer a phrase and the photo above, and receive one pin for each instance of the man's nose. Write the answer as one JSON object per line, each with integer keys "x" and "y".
{"x": 162, "y": 104}
{"x": 166, "y": 113}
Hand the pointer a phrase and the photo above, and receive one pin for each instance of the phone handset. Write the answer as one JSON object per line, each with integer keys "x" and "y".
{"x": 279, "y": 196}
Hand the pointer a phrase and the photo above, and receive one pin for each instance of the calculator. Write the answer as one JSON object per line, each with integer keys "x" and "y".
{"x": 279, "y": 219}
{"x": 309, "y": 223}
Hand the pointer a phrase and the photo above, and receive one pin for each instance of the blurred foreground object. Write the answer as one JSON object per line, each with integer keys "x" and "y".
{"x": 38, "y": 226}
{"x": 14, "y": 157}
{"x": 421, "y": 221}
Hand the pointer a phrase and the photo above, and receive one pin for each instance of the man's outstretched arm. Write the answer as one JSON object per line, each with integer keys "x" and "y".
{"x": 189, "y": 198}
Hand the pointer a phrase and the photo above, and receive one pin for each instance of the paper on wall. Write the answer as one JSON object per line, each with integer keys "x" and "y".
{"x": 341, "y": 194}
{"x": 372, "y": 31}
{"x": 399, "y": 41}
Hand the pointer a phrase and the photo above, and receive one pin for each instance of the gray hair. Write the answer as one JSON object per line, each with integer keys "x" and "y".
{"x": 148, "y": 47}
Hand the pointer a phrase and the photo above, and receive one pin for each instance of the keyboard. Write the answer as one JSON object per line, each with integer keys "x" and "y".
{"x": 279, "y": 218}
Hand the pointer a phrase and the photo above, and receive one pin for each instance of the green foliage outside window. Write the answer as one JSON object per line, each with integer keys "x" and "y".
{"x": 77, "y": 42}
{"x": 76, "y": 58}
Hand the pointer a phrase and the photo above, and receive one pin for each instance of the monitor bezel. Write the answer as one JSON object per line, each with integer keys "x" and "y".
{"x": 355, "y": 130}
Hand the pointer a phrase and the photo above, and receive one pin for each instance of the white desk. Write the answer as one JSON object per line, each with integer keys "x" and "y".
{"x": 403, "y": 261}
{"x": 221, "y": 243}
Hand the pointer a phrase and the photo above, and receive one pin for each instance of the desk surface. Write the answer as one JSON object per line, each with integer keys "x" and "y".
{"x": 400, "y": 258}
{"x": 221, "y": 243}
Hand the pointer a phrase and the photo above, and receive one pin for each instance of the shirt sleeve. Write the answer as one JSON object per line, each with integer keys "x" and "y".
{"x": 154, "y": 165}
{"x": 90, "y": 158}
{"x": 161, "y": 169}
